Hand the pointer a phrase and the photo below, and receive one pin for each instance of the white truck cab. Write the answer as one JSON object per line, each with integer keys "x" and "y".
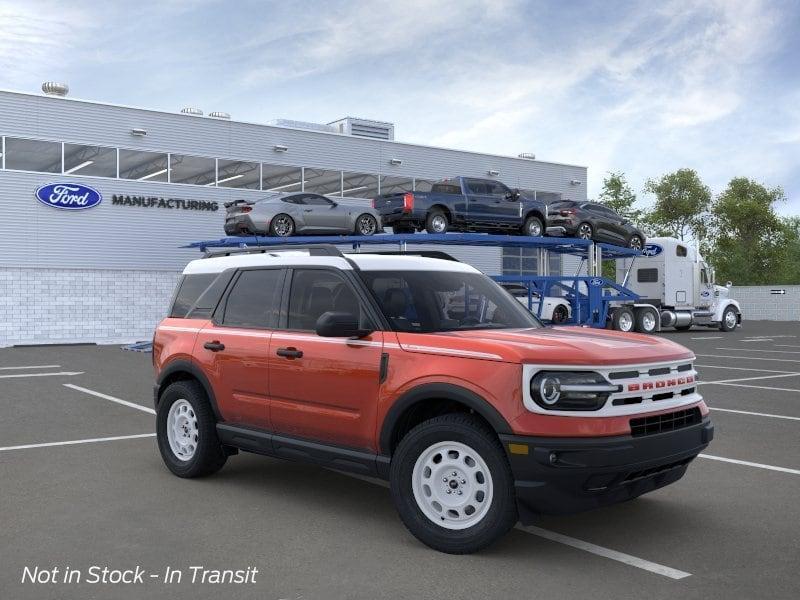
{"x": 676, "y": 285}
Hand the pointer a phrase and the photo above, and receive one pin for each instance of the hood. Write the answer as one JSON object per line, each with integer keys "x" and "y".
{"x": 550, "y": 345}
{"x": 720, "y": 291}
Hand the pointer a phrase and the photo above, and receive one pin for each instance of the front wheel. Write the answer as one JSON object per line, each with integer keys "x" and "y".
{"x": 635, "y": 242}
{"x": 729, "y": 319}
{"x": 533, "y": 227}
{"x": 366, "y": 225}
{"x": 560, "y": 314}
{"x": 452, "y": 485}
{"x": 186, "y": 431}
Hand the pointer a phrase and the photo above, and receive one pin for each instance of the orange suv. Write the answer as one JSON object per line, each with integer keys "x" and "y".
{"x": 422, "y": 371}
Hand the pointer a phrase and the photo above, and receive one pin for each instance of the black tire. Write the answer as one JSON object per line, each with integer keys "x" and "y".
{"x": 533, "y": 227}
{"x": 470, "y": 431}
{"x": 209, "y": 456}
{"x": 623, "y": 319}
{"x": 641, "y": 324}
{"x": 366, "y": 225}
{"x": 276, "y": 225}
{"x": 724, "y": 324}
{"x": 584, "y": 231}
{"x": 560, "y": 314}
{"x": 434, "y": 223}
{"x": 635, "y": 242}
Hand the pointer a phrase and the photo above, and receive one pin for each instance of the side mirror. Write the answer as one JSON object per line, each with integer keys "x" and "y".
{"x": 513, "y": 195}
{"x": 340, "y": 324}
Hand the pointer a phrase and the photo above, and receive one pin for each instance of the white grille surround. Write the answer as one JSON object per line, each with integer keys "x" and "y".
{"x": 652, "y": 388}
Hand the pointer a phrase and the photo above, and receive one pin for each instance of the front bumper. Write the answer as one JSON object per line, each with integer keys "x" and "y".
{"x": 569, "y": 475}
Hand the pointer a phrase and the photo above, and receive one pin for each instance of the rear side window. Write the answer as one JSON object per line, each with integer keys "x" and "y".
{"x": 254, "y": 299}
{"x": 317, "y": 291}
{"x": 647, "y": 275}
{"x": 189, "y": 290}
{"x": 446, "y": 188}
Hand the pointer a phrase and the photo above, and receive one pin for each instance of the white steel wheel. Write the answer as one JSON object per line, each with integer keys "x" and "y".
{"x": 183, "y": 434}
{"x": 625, "y": 322}
{"x": 452, "y": 485}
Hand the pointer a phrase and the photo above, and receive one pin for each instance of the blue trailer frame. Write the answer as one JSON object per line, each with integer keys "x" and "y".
{"x": 589, "y": 296}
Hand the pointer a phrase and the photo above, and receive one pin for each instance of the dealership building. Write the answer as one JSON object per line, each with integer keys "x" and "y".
{"x": 106, "y": 272}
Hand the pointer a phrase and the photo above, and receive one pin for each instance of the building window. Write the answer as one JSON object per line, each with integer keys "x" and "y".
{"x": 279, "y": 178}
{"x": 95, "y": 161}
{"x": 320, "y": 181}
{"x": 238, "y": 174}
{"x": 359, "y": 185}
{"x": 525, "y": 261}
{"x": 195, "y": 170}
{"x": 396, "y": 185}
{"x": 143, "y": 166}
{"x": 33, "y": 155}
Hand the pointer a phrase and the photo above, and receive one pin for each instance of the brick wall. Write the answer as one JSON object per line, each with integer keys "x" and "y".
{"x": 42, "y": 306}
{"x": 758, "y": 303}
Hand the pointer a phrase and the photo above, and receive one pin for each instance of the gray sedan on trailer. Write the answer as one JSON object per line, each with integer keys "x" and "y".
{"x": 302, "y": 213}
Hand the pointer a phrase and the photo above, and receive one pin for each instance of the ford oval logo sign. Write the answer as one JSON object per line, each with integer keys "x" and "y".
{"x": 652, "y": 250}
{"x": 68, "y": 196}
{"x": 596, "y": 282}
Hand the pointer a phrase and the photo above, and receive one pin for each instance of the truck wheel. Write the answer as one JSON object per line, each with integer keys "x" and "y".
{"x": 533, "y": 227}
{"x": 645, "y": 321}
{"x": 729, "y": 319}
{"x": 452, "y": 485}
{"x": 281, "y": 225}
{"x": 186, "y": 431}
{"x": 436, "y": 222}
{"x": 623, "y": 319}
{"x": 584, "y": 231}
{"x": 560, "y": 314}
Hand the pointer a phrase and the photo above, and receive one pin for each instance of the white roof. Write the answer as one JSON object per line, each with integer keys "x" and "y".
{"x": 300, "y": 258}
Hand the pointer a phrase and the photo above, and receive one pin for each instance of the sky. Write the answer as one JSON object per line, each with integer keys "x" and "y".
{"x": 643, "y": 88}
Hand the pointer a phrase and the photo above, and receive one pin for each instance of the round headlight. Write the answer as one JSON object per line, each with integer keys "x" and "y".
{"x": 549, "y": 389}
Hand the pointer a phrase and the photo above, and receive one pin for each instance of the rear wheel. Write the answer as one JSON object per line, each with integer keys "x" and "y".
{"x": 366, "y": 224}
{"x": 622, "y": 319}
{"x": 436, "y": 222}
{"x": 281, "y": 225}
{"x": 187, "y": 431}
{"x": 452, "y": 485}
{"x": 560, "y": 314}
{"x": 635, "y": 242}
{"x": 645, "y": 321}
{"x": 533, "y": 227}
{"x": 584, "y": 231}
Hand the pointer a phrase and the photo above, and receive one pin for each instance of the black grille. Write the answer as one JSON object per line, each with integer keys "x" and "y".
{"x": 665, "y": 422}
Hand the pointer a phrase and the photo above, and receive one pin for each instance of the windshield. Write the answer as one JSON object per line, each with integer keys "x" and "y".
{"x": 434, "y": 301}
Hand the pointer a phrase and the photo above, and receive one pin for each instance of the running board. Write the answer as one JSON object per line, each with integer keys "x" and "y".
{"x": 289, "y": 448}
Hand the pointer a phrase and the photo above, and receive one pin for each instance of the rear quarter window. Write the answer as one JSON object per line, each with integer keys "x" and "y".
{"x": 189, "y": 289}
{"x": 446, "y": 188}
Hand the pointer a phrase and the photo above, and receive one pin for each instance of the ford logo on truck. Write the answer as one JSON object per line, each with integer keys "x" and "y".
{"x": 652, "y": 250}
{"x": 68, "y": 196}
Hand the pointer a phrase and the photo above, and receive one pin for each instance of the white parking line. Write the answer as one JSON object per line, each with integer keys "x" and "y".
{"x": 741, "y": 369}
{"x": 19, "y": 375}
{"x": 749, "y": 358}
{"x": 736, "y": 380}
{"x": 73, "y": 442}
{"x": 111, "y": 398}
{"x": 633, "y": 561}
{"x": 755, "y": 387}
{"x": 708, "y": 337}
{"x": 755, "y": 414}
{"x": 787, "y": 346}
{"x": 753, "y": 350}
{"x": 757, "y": 340}
{"x": 30, "y": 367}
{"x": 747, "y": 463}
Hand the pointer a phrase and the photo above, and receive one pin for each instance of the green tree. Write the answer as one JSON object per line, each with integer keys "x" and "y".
{"x": 681, "y": 205}
{"x": 750, "y": 242}
{"x": 618, "y": 196}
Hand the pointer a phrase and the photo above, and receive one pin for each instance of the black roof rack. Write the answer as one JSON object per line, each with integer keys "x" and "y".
{"x": 312, "y": 249}
{"x": 424, "y": 253}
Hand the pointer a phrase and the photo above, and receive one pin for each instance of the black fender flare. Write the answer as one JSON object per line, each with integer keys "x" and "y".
{"x": 185, "y": 366}
{"x": 438, "y": 391}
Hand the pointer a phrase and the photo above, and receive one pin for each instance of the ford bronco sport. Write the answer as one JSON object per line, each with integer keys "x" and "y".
{"x": 422, "y": 371}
